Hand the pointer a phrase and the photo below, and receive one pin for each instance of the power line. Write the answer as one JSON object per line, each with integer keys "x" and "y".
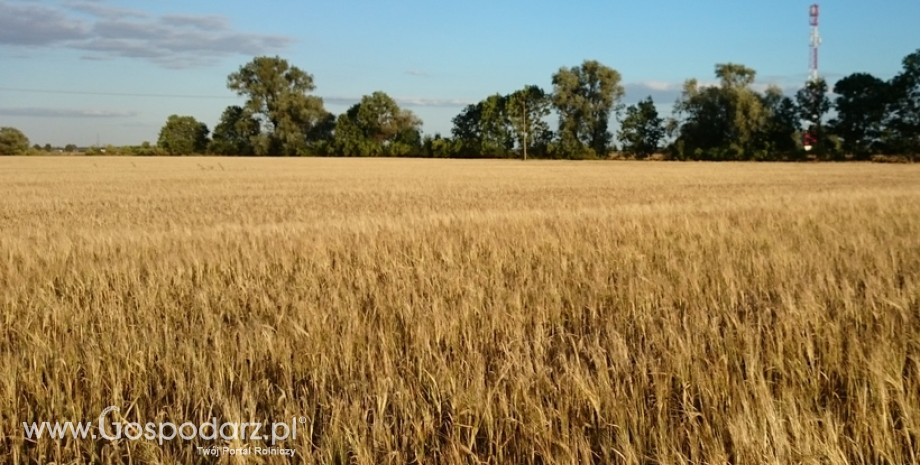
{"x": 114, "y": 94}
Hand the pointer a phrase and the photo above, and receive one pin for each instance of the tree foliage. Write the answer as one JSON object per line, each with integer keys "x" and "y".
{"x": 377, "y": 127}
{"x": 585, "y": 96}
{"x": 732, "y": 121}
{"x": 813, "y": 101}
{"x": 526, "y": 110}
{"x": 277, "y": 97}
{"x": 779, "y": 135}
{"x": 484, "y": 129}
{"x": 642, "y": 129}
{"x": 183, "y": 135}
{"x": 814, "y": 104}
{"x": 904, "y": 113}
{"x": 862, "y": 104}
{"x": 721, "y": 122}
{"x": 13, "y": 142}
{"x": 235, "y": 133}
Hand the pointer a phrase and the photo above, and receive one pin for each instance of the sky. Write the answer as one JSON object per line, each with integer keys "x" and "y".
{"x": 112, "y": 71}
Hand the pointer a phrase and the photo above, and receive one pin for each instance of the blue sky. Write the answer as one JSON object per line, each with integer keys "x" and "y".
{"x": 62, "y": 62}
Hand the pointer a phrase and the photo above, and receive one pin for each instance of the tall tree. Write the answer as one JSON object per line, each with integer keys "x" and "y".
{"x": 378, "y": 127}
{"x": 781, "y": 126}
{"x": 745, "y": 105}
{"x": 485, "y": 129}
{"x": 13, "y": 141}
{"x": 720, "y": 123}
{"x": 585, "y": 96}
{"x": 235, "y": 133}
{"x": 813, "y": 101}
{"x": 862, "y": 105}
{"x": 183, "y": 135}
{"x": 526, "y": 110}
{"x": 704, "y": 123}
{"x": 277, "y": 96}
{"x": 905, "y": 110}
{"x": 814, "y": 104}
{"x": 642, "y": 129}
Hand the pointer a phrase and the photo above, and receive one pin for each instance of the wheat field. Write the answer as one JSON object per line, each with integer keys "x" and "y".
{"x": 452, "y": 311}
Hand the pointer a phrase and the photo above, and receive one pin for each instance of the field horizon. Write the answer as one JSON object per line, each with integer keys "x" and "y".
{"x": 464, "y": 311}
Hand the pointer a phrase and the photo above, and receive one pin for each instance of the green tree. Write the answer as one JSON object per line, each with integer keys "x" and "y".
{"x": 277, "y": 97}
{"x": 703, "y": 122}
{"x": 862, "y": 105}
{"x": 904, "y": 117}
{"x": 235, "y": 133}
{"x": 526, "y": 110}
{"x": 782, "y": 126}
{"x": 642, "y": 129}
{"x": 814, "y": 104}
{"x": 376, "y": 126}
{"x": 438, "y": 147}
{"x": 183, "y": 135}
{"x": 745, "y": 108}
{"x": 484, "y": 130}
{"x": 724, "y": 122}
{"x": 13, "y": 142}
{"x": 584, "y": 97}
{"x": 320, "y": 135}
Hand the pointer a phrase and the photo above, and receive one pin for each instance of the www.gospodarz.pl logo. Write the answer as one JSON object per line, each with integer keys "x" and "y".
{"x": 167, "y": 431}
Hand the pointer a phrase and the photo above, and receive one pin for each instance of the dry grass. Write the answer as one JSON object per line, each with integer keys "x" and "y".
{"x": 466, "y": 311}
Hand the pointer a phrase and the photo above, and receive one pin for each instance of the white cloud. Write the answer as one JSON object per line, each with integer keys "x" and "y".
{"x": 171, "y": 41}
{"x": 404, "y": 101}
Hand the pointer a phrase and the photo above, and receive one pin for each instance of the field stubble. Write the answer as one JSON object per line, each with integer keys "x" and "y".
{"x": 465, "y": 311}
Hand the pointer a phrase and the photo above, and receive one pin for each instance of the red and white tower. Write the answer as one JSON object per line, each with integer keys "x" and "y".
{"x": 815, "y": 41}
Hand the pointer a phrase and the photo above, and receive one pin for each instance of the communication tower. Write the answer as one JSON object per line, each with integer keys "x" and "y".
{"x": 813, "y": 12}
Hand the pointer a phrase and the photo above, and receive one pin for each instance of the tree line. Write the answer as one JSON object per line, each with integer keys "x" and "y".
{"x": 730, "y": 120}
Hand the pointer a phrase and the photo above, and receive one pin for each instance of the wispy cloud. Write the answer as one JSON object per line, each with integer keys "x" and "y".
{"x": 660, "y": 91}
{"x": 404, "y": 101}
{"x": 105, "y": 31}
{"x": 432, "y": 102}
{"x": 101, "y": 11}
{"x": 417, "y": 73}
{"x": 66, "y": 113}
{"x": 663, "y": 92}
{"x": 35, "y": 25}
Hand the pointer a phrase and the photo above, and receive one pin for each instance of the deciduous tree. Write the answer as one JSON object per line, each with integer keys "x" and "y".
{"x": 814, "y": 104}
{"x": 277, "y": 97}
{"x": 642, "y": 129}
{"x": 782, "y": 127}
{"x": 585, "y": 96}
{"x": 720, "y": 123}
{"x": 183, "y": 135}
{"x": 905, "y": 110}
{"x": 378, "y": 127}
{"x": 13, "y": 142}
{"x": 235, "y": 133}
{"x": 525, "y": 111}
{"x": 862, "y": 105}
{"x": 484, "y": 130}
